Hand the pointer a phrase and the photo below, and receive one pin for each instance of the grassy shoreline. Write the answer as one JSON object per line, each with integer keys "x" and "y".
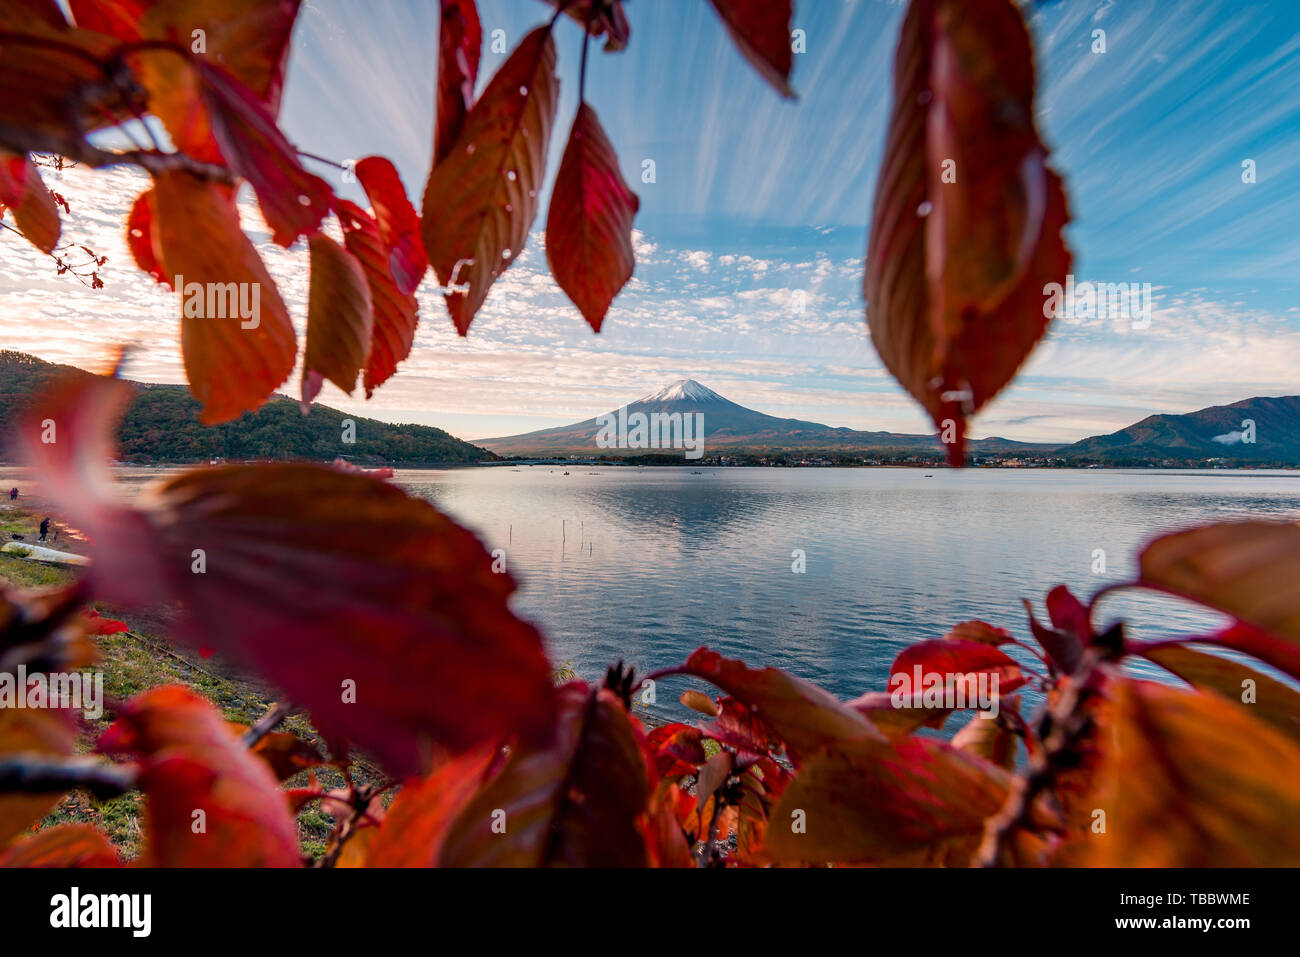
{"x": 142, "y": 658}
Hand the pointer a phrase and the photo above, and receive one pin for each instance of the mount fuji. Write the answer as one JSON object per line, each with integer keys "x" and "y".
{"x": 728, "y": 428}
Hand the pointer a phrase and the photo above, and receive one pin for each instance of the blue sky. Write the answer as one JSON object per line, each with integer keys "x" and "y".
{"x": 759, "y": 202}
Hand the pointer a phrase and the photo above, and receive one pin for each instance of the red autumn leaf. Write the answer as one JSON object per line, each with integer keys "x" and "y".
{"x": 953, "y": 659}
{"x": 589, "y": 226}
{"x": 292, "y": 200}
{"x": 867, "y": 802}
{"x": 339, "y": 319}
{"x": 1064, "y": 648}
{"x": 482, "y": 198}
{"x": 405, "y": 625}
{"x": 140, "y": 238}
{"x": 425, "y": 810}
{"x": 577, "y": 802}
{"x": 117, "y": 18}
{"x": 399, "y": 225}
{"x": 1068, "y": 614}
{"x": 608, "y": 19}
{"x": 803, "y": 715}
{"x": 98, "y": 625}
{"x": 740, "y": 728}
{"x": 664, "y": 841}
{"x": 761, "y": 31}
{"x": 47, "y": 11}
{"x": 674, "y": 750}
{"x": 460, "y": 44}
{"x": 60, "y": 73}
{"x": 395, "y": 313}
{"x": 233, "y": 363}
{"x": 13, "y": 178}
{"x": 966, "y": 229}
{"x": 24, "y": 192}
{"x": 192, "y": 762}
{"x": 64, "y": 845}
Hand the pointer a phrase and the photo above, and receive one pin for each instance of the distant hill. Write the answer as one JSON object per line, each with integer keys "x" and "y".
{"x": 732, "y": 428}
{"x": 1215, "y": 433}
{"x": 162, "y": 426}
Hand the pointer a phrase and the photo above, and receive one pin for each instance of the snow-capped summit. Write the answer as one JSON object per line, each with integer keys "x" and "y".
{"x": 683, "y": 390}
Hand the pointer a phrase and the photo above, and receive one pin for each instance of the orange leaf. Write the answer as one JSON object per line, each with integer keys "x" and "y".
{"x": 1191, "y": 780}
{"x": 339, "y": 319}
{"x": 233, "y": 363}
{"x": 65, "y": 845}
{"x": 980, "y": 631}
{"x": 1266, "y": 698}
{"x": 989, "y": 739}
{"x": 55, "y": 86}
{"x": 699, "y": 701}
{"x": 249, "y": 38}
{"x": 482, "y": 198}
{"x": 50, "y": 732}
{"x": 966, "y": 230}
{"x": 589, "y": 226}
{"x": 803, "y": 715}
{"x": 761, "y": 31}
{"x": 867, "y": 802}
{"x": 209, "y": 801}
{"x": 425, "y": 810}
{"x": 395, "y": 313}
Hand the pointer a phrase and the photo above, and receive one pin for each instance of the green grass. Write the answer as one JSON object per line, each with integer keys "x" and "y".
{"x": 133, "y": 662}
{"x": 20, "y": 571}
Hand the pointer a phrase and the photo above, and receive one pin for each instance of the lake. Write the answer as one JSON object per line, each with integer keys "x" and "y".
{"x": 647, "y": 564}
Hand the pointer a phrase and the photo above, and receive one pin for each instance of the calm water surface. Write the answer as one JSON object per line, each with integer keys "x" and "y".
{"x": 647, "y": 564}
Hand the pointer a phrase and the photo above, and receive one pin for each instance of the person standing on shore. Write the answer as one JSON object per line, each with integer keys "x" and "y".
{"x": 45, "y": 528}
{"x": 13, "y": 493}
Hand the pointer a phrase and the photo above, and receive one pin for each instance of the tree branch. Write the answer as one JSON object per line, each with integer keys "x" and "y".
{"x": 36, "y": 773}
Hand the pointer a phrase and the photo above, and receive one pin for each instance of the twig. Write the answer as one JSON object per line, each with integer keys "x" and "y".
{"x": 36, "y": 773}
{"x": 266, "y": 724}
{"x": 1067, "y": 723}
